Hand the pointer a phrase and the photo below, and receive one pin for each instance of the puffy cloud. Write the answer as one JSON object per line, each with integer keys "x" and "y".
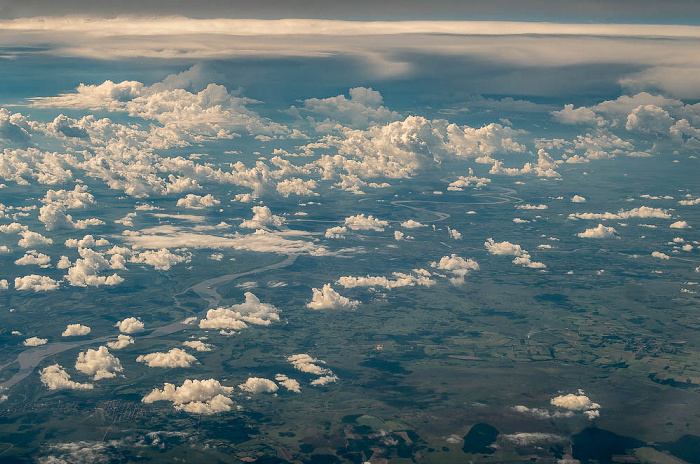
{"x": 197, "y": 345}
{"x": 258, "y": 385}
{"x": 411, "y": 224}
{"x": 658, "y": 254}
{"x": 194, "y": 396}
{"x": 305, "y": 363}
{"x": 36, "y": 283}
{"x": 581, "y": 115}
{"x": 77, "y": 198}
{"x": 12, "y": 228}
{"x": 578, "y": 199}
{"x": 457, "y": 266}
{"x": 598, "y": 232}
{"x": 193, "y": 201}
{"x": 327, "y": 298}
{"x": 14, "y": 127}
{"x": 454, "y": 234}
{"x": 362, "y": 222}
{"x": 54, "y": 216}
{"x": 86, "y": 242}
{"x": 401, "y": 279}
{"x": 468, "y": 181}
{"x": 649, "y": 119}
{"x": 680, "y": 225}
{"x": 363, "y": 108}
{"x": 130, "y": 325}
{"x": 290, "y": 384}
{"x": 84, "y": 271}
{"x": 577, "y": 402}
{"x": 56, "y": 378}
{"x": 690, "y": 201}
{"x": 297, "y": 186}
{"x": 238, "y": 316}
{"x": 336, "y": 232}
{"x": 506, "y": 248}
{"x": 641, "y": 212}
{"x": 176, "y": 357}
{"x": 76, "y": 330}
{"x": 35, "y": 341}
{"x": 162, "y": 259}
{"x": 100, "y": 363}
{"x": 529, "y": 206}
{"x": 121, "y": 342}
{"x": 262, "y": 219}
{"x": 325, "y": 380}
{"x": 31, "y": 257}
{"x": 32, "y": 239}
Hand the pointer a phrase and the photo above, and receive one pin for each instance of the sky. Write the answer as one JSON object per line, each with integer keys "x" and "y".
{"x": 624, "y": 11}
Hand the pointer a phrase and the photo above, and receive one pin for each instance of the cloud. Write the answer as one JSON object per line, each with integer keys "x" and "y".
{"x": 582, "y": 115}
{"x": 364, "y": 107}
{"x": 121, "y": 342}
{"x": 130, "y": 325}
{"x": 194, "y": 396}
{"x": 238, "y": 316}
{"x": 362, "y": 222}
{"x": 542, "y": 413}
{"x": 411, "y": 224}
{"x": 36, "y": 283}
{"x": 598, "y": 232}
{"x": 578, "y": 199}
{"x": 536, "y": 438}
{"x": 100, "y": 363}
{"x": 161, "y": 259}
{"x": 658, "y": 254}
{"x": 649, "y": 119}
{"x": 35, "y": 341}
{"x": 336, "y": 232}
{"x": 577, "y": 402}
{"x": 290, "y": 384}
{"x": 197, "y": 345}
{"x": 262, "y": 219}
{"x": 56, "y": 378}
{"x": 468, "y": 181}
{"x": 31, "y": 257}
{"x": 325, "y": 380}
{"x": 305, "y": 363}
{"x": 327, "y": 298}
{"x": 641, "y": 212}
{"x": 87, "y": 241}
{"x": 401, "y": 279}
{"x": 76, "y": 330}
{"x": 532, "y": 207}
{"x": 297, "y": 186}
{"x": 258, "y": 385}
{"x": 506, "y": 248}
{"x": 193, "y": 201}
{"x": 32, "y": 239}
{"x": 84, "y": 271}
{"x": 77, "y": 198}
{"x": 176, "y": 357}
{"x": 14, "y": 128}
{"x": 54, "y": 217}
{"x": 457, "y": 266}
{"x": 282, "y": 242}
{"x": 680, "y": 225}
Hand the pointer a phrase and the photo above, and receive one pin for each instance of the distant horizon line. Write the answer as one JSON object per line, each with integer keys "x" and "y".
{"x": 158, "y": 25}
